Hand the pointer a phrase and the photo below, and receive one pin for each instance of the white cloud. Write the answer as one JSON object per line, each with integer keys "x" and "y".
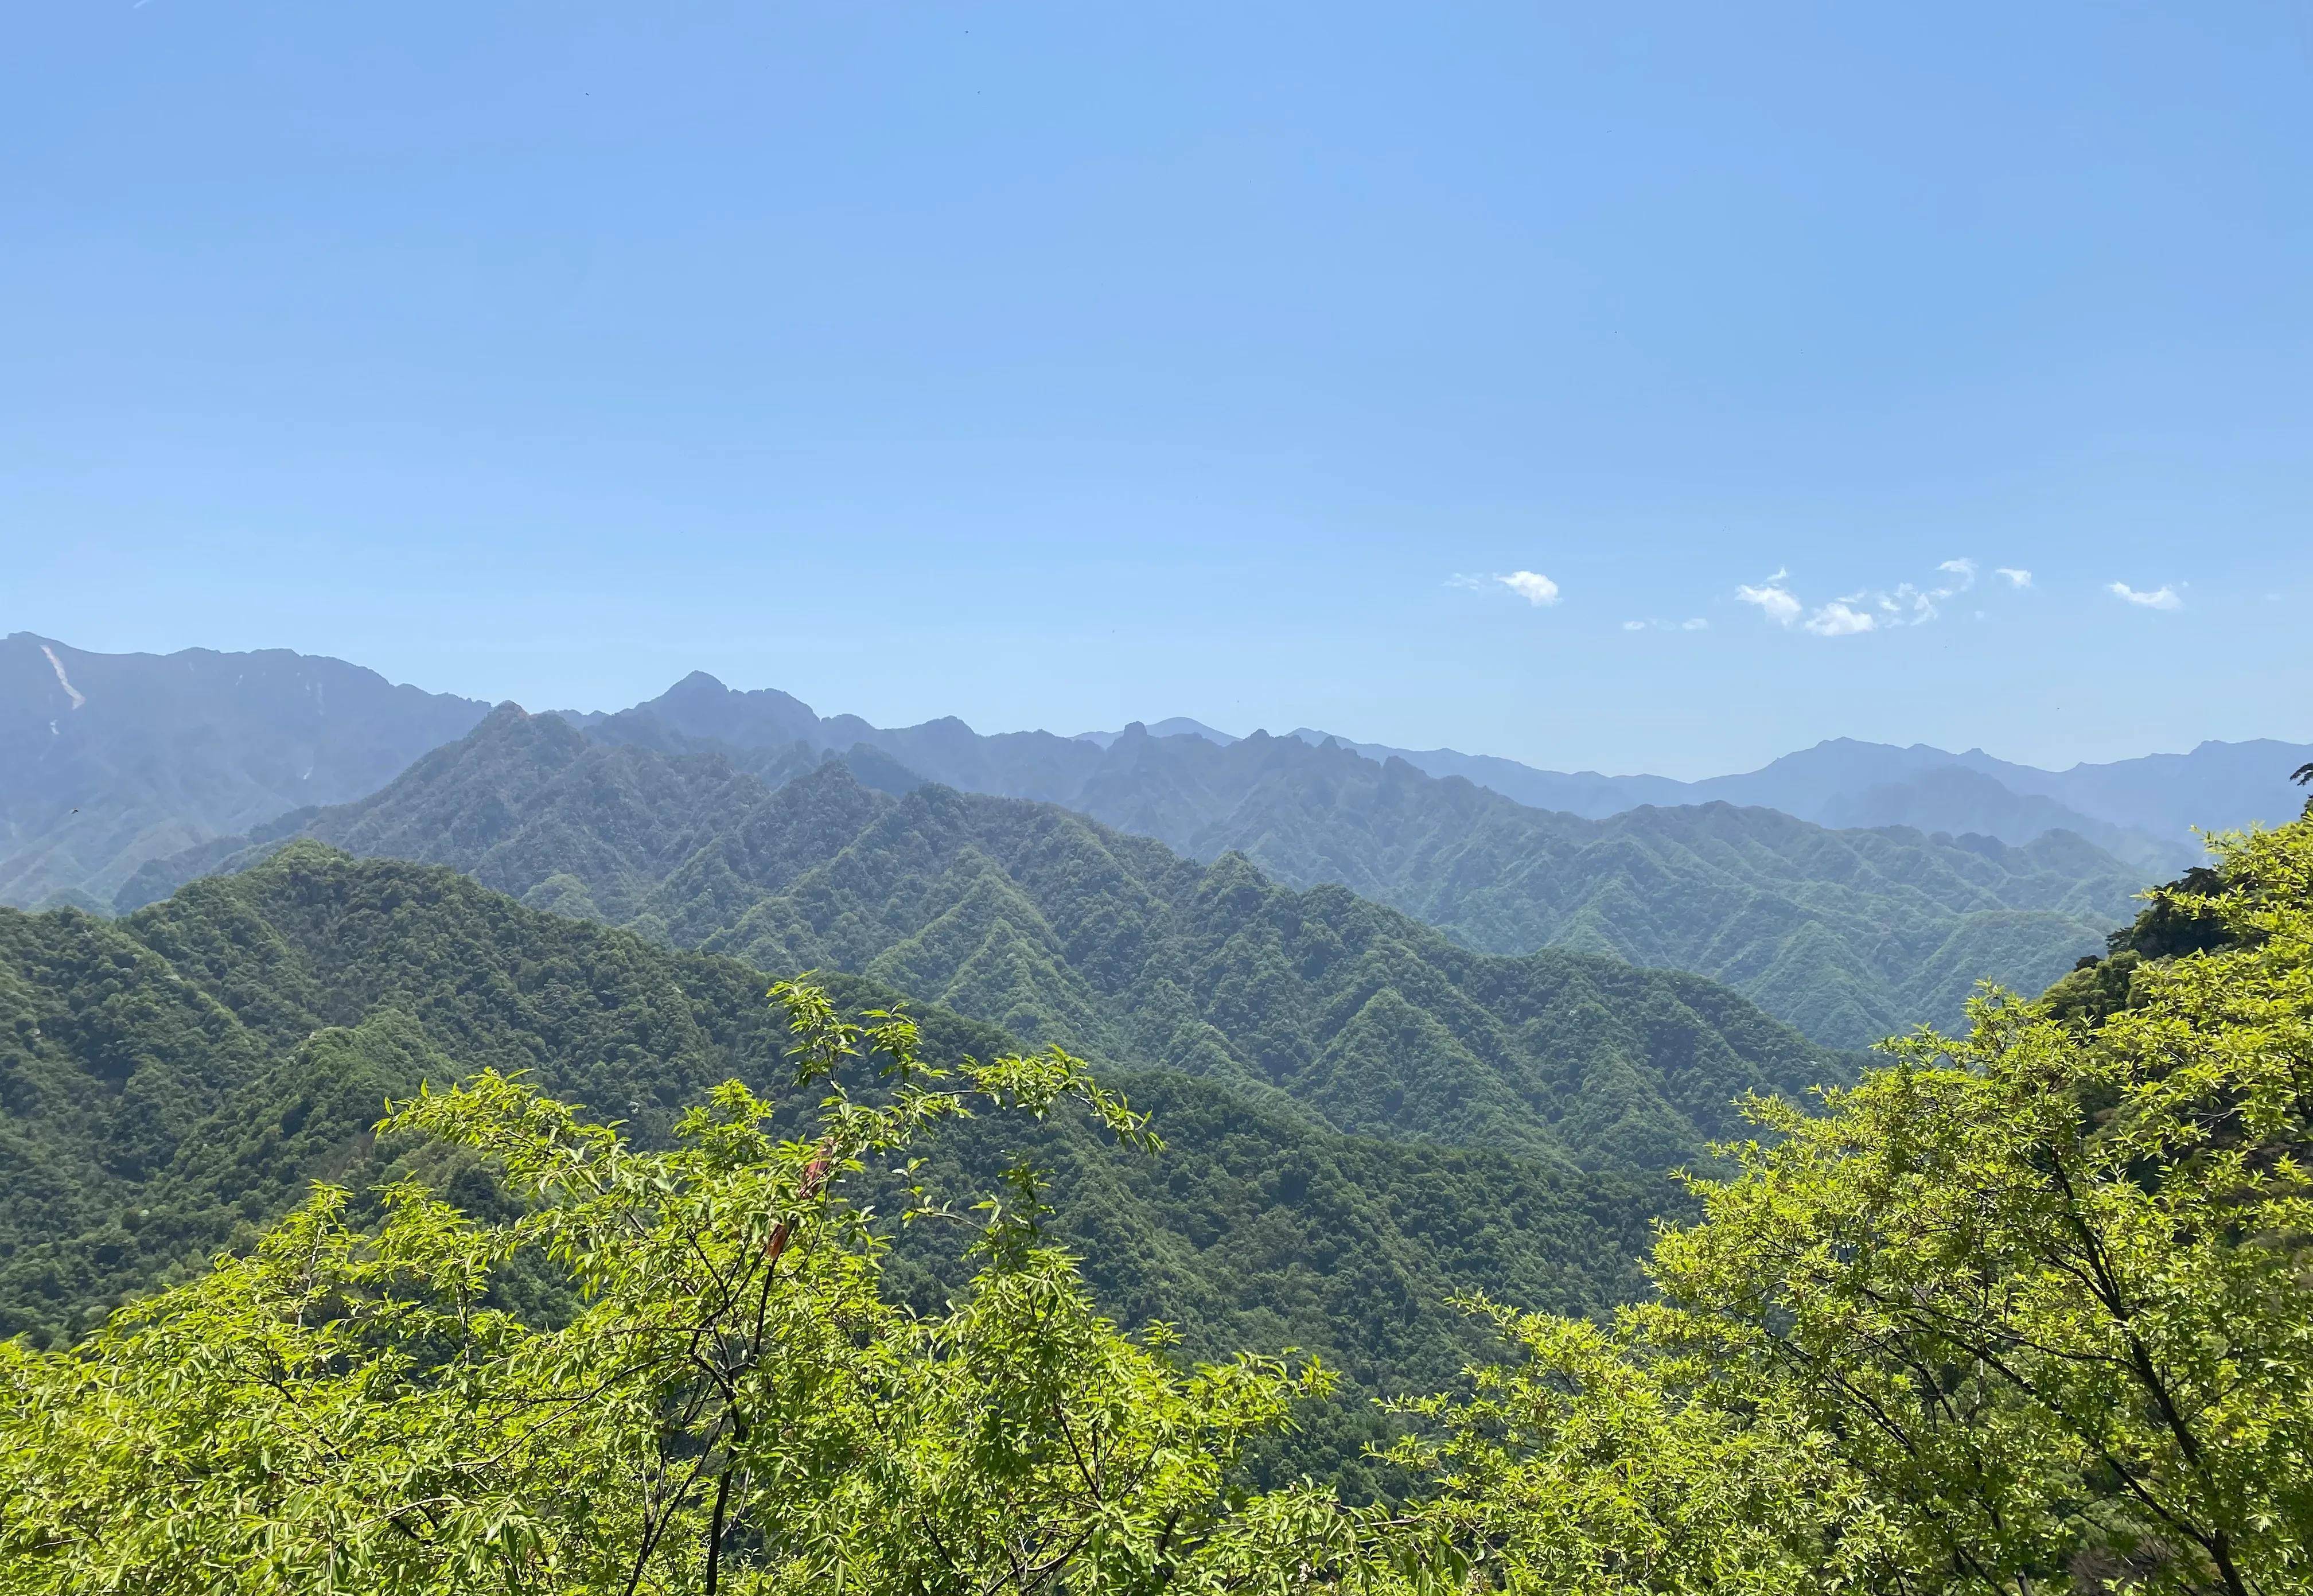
{"x": 1634, "y": 626}
{"x": 1837, "y": 620}
{"x": 2163, "y": 597}
{"x": 1776, "y": 602}
{"x": 1870, "y": 609}
{"x": 1658, "y": 624}
{"x": 1532, "y": 586}
{"x": 1922, "y": 605}
{"x": 1696, "y": 624}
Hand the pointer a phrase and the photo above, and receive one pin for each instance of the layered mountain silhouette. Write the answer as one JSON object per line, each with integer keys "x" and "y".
{"x": 1852, "y": 935}
{"x": 108, "y": 760}
{"x": 176, "y": 1079}
{"x": 1060, "y": 930}
{"x": 114, "y": 759}
{"x": 2143, "y": 810}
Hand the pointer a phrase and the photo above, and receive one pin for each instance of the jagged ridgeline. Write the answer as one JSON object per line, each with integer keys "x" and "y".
{"x": 1059, "y": 929}
{"x": 176, "y": 1079}
{"x": 1851, "y": 936}
{"x": 109, "y": 759}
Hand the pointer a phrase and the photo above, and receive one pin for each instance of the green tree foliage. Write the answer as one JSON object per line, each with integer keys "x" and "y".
{"x": 734, "y": 1406}
{"x": 172, "y": 1083}
{"x": 2024, "y": 1312}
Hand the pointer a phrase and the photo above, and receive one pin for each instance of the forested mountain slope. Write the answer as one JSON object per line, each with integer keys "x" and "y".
{"x": 108, "y": 760}
{"x": 176, "y": 1078}
{"x": 1850, "y": 935}
{"x": 1058, "y": 929}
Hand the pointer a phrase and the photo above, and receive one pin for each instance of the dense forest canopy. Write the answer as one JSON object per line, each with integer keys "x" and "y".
{"x": 1058, "y": 930}
{"x": 175, "y": 1080}
{"x": 1849, "y": 936}
{"x": 2021, "y": 1310}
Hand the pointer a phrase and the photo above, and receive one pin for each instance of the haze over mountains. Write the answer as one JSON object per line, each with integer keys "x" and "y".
{"x": 113, "y": 759}
{"x": 2141, "y": 810}
{"x": 1409, "y": 1036}
{"x": 108, "y": 760}
{"x": 1858, "y": 889}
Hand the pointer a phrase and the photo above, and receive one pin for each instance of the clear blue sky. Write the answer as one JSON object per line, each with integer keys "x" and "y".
{"x": 1060, "y": 365}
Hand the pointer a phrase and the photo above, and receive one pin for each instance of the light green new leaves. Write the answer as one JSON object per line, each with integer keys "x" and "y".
{"x": 2023, "y": 1312}
{"x": 730, "y": 1405}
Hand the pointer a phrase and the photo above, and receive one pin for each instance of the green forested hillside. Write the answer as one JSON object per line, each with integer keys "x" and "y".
{"x": 1943, "y": 1332}
{"x": 1059, "y": 929}
{"x": 1851, "y": 935}
{"x": 175, "y": 1080}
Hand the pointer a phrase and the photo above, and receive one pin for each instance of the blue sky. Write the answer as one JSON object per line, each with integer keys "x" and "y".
{"x": 1056, "y": 366}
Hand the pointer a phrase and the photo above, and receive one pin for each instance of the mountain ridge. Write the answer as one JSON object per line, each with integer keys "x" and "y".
{"x": 1044, "y": 921}
{"x": 2139, "y": 809}
{"x": 1491, "y": 870}
{"x": 109, "y": 759}
{"x": 176, "y": 1078}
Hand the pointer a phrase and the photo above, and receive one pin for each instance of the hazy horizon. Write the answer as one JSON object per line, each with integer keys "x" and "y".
{"x": 829, "y": 711}
{"x": 1624, "y": 391}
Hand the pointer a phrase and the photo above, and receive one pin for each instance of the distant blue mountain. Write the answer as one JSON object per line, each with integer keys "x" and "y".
{"x": 2141, "y": 810}
{"x": 1179, "y": 726}
{"x": 108, "y": 761}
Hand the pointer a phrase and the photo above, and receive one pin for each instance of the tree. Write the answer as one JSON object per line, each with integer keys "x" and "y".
{"x": 2022, "y": 1311}
{"x": 729, "y": 1405}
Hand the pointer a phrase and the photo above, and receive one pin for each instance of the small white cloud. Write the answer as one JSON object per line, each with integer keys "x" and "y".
{"x": 1776, "y": 602}
{"x": 1837, "y": 620}
{"x": 1634, "y": 626}
{"x": 2017, "y": 577}
{"x": 1870, "y": 609}
{"x": 1532, "y": 586}
{"x": 2163, "y": 597}
{"x": 1468, "y": 583}
{"x": 1697, "y": 624}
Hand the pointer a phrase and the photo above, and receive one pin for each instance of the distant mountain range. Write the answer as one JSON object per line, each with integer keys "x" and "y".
{"x": 1038, "y": 920}
{"x": 1849, "y": 935}
{"x": 2142, "y": 811}
{"x": 109, "y": 759}
{"x": 1884, "y": 883}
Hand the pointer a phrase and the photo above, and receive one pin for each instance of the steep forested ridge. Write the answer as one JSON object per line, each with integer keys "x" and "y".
{"x": 1944, "y": 1332}
{"x": 109, "y": 759}
{"x": 1058, "y": 929}
{"x": 175, "y": 1079}
{"x": 1849, "y": 935}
